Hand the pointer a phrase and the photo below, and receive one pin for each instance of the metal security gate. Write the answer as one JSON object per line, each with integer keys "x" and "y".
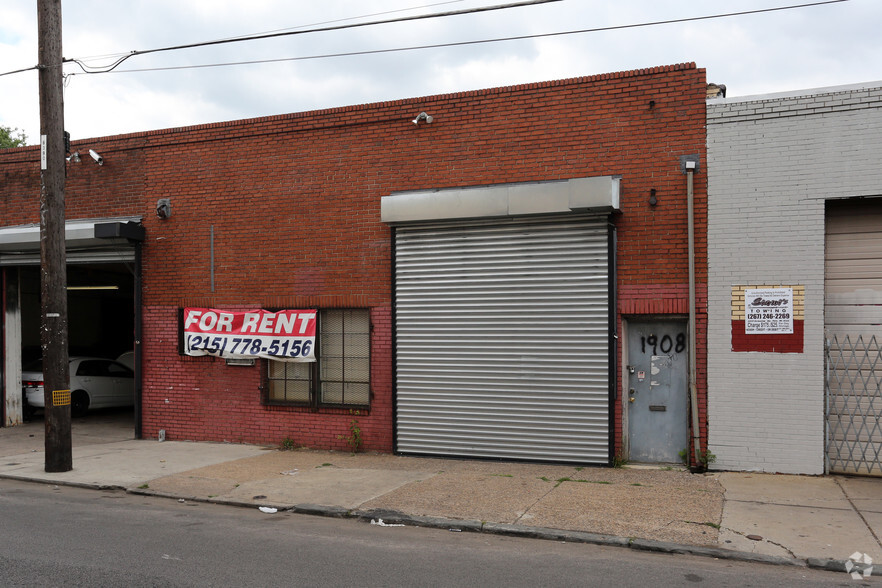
{"x": 854, "y": 403}
{"x": 853, "y": 327}
{"x": 503, "y": 339}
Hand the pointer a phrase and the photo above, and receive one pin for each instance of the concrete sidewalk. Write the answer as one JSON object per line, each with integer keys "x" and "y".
{"x": 819, "y": 521}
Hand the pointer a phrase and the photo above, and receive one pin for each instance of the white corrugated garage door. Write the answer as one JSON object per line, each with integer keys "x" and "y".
{"x": 502, "y": 334}
{"x": 853, "y": 326}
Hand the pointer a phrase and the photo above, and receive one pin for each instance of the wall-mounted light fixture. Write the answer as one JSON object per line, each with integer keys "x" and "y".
{"x": 75, "y": 156}
{"x": 652, "y": 198}
{"x": 423, "y": 117}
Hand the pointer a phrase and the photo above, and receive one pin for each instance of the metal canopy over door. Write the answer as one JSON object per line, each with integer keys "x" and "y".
{"x": 86, "y": 241}
{"x": 853, "y": 328}
{"x": 503, "y": 339}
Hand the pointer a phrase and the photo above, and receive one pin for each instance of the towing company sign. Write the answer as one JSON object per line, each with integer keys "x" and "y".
{"x": 768, "y": 311}
{"x": 286, "y": 335}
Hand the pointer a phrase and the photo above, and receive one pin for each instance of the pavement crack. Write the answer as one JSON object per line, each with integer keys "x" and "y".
{"x": 785, "y": 548}
{"x": 806, "y": 506}
{"x": 859, "y": 513}
{"x": 541, "y": 498}
{"x": 745, "y": 535}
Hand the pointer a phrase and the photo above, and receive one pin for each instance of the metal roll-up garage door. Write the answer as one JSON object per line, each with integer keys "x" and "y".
{"x": 853, "y": 335}
{"x": 502, "y": 339}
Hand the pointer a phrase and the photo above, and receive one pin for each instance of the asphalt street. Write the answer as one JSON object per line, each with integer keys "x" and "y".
{"x": 60, "y": 535}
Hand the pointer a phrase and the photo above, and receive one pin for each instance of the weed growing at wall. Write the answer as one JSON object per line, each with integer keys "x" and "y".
{"x": 353, "y": 440}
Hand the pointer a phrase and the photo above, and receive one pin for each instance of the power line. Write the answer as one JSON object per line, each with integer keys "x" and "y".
{"x": 111, "y": 68}
{"x": 9, "y": 73}
{"x": 274, "y": 35}
{"x": 352, "y": 18}
{"x": 314, "y": 24}
{"x": 476, "y": 42}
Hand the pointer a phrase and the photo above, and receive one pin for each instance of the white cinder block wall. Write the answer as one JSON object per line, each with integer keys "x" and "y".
{"x": 772, "y": 162}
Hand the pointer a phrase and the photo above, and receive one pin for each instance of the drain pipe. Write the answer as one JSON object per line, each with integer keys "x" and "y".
{"x": 690, "y": 166}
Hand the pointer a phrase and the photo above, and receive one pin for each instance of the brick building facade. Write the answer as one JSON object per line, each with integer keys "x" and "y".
{"x": 285, "y": 212}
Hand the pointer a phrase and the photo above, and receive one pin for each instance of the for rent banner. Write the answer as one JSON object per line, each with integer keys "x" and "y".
{"x": 286, "y": 335}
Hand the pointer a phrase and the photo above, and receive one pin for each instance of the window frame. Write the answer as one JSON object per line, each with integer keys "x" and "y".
{"x": 315, "y": 400}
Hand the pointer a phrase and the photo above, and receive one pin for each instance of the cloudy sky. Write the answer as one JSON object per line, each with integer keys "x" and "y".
{"x": 781, "y": 51}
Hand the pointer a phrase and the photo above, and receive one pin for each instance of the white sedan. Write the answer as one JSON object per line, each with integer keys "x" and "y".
{"x": 94, "y": 383}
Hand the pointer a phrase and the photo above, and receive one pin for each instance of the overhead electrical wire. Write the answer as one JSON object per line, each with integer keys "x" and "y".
{"x": 121, "y": 57}
{"x": 112, "y": 67}
{"x": 9, "y": 73}
{"x": 274, "y": 35}
{"x": 314, "y": 24}
{"x": 481, "y": 41}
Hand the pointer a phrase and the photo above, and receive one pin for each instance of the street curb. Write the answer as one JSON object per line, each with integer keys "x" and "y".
{"x": 715, "y": 552}
{"x": 837, "y": 565}
{"x": 393, "y": 517}
{"x": 555, "y": 534}
{"x": 85, "y": 485}
{"x": 505, "y": 529}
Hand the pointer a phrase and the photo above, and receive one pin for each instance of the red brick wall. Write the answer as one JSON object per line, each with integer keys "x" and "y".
{"x": 203, "y": 398}
{"x": 294, "y": 200}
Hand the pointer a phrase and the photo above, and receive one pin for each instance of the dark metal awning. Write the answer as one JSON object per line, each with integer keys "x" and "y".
{"x": 86, "y": 241}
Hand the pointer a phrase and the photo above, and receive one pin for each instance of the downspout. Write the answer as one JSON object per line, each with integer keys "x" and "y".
{"x": 691, "y": 165}
{"x": 612, "y": 352}
{"x": 139, "y": 333}
{"x": 393, "y": 240}
{"x": 3, "y": 362}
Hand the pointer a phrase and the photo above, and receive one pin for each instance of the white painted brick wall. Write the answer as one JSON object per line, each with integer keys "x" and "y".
{"x": 772, "y": 163}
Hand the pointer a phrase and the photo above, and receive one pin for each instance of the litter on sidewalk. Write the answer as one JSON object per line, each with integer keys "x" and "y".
{"x": 380, "y": 523}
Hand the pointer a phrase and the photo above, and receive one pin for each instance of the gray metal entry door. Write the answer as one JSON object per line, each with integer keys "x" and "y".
{"x": 657, "y": 387}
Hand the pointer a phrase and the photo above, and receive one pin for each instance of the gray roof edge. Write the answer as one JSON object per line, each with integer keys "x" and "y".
{"x": 797, "y": 93}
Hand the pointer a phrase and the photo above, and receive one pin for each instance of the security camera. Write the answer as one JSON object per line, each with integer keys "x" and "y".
{"x": 98, "y": 159}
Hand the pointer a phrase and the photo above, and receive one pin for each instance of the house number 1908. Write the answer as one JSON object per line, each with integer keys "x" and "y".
{"x": 665, "y": 344}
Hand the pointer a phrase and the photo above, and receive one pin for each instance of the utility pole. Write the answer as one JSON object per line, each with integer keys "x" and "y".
{"x": 53, "y": 268}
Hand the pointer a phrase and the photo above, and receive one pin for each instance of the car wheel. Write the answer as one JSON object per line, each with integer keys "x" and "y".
{"x": 79, "y": 403}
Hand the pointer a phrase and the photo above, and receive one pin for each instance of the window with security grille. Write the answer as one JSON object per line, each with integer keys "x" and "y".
{"x": 340, "y": 376}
